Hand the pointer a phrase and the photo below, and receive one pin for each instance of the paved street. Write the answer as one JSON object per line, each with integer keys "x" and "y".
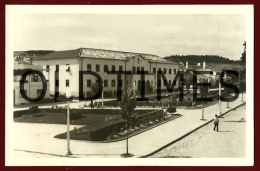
{"x": 230, "y": 141}
{"x": 40, "y": 138}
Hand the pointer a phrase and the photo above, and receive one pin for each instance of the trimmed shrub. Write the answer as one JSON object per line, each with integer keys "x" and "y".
{"x": 171, "y": 109}
{"x": 103, "y": 133}
{"x": 33, "y": 110}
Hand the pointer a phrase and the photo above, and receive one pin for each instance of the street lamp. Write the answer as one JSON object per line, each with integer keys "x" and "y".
{"x": 134, "y": 88}
{"x": 219, "y": 93}
{"x": 68, "y": 129}
{"x": 85, "y": 89}
{"x": 103, "y": 96}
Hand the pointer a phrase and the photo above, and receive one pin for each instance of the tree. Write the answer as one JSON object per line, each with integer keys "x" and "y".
{"x": 127, "y": 105}
{"x": 243, "y": 57}
{"x": 94, "y": 88}
{"x": 187, "y": 84}
{"x": 148, "y": 87}
{"x": 204, "y": 90}
{"x": 228, "y": 91}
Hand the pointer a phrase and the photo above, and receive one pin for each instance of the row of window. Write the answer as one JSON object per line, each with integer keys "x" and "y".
{"x": 113, "y": 83}
{"x": 106, "y": 68}
{"x": 57, "y": 68}
{"x": 67, "y": 82}
{"x": 89, "y": 68}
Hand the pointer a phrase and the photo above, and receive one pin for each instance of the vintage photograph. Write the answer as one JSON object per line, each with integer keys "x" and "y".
{"x": 136, "y": 85}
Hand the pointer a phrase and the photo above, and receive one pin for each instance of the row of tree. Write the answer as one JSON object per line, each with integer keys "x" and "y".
{"x": 194, "y": 59}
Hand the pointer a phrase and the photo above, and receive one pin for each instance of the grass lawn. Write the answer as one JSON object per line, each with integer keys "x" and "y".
{"x": 90, "y": 120}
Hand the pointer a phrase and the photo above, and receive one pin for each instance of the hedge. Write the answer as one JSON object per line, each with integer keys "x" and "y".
{"x": 103, "y": 133}
{"x": 77, "y": 112}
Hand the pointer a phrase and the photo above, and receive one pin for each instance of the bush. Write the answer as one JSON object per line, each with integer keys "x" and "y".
{"x": 76, "y": 114}
{"x": 171, "y": 109}
{"x": 33, "y": 110}
{"x": 103, "y": 133}
{"x": 20, "y": 113}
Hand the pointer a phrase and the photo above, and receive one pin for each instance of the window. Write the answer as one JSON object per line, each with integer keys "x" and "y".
{"x": 174, "y": 71}
{"x": 97, "y": 68}
{"x": 39, "y": 92}
{"x": 138, "y": 69}
{"x": 164, "y": 71}
{"x": 138, "y": 60}
{"x": 164, "y": 81}
{"x": 57, "y": 68}
{"x": 170, "y": 82}
{"x": 154, "y": 70}
{"x": 113, "y": 68}
{"x": 134, "y": 68}
{"x": 89, "y": 67}
{"x": 159, "y": 69}
{"x": 89, "y": 83}
{"x": 35, "y": 78}
{"x": 105, "y": 68}
{"x": 67, "y": 83}
{"x": 170, "y": 71}
{"x": 142, "y": 68}
{"x": 56, "y": 83}
{"x": 97, "y": 82}
{"x": 47, "y": 68}
{"x": 120, "y": 68}
{"x": 105, "y": 83}
{"x": 20, "y": 95}
{"x": 113, "y": 83}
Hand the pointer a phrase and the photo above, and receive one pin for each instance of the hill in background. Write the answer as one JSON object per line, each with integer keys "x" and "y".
{"x": 195, "y": 59}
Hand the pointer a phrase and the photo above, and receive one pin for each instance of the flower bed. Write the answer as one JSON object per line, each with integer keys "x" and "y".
{"x": 117, "y": 130}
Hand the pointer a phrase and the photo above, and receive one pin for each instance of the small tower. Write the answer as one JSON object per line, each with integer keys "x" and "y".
{"x": 204, "y": 65}
{"x": 187, "y": 65}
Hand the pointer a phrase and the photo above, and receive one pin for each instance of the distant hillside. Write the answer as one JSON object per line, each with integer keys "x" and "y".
{"x": 194, "y": 59}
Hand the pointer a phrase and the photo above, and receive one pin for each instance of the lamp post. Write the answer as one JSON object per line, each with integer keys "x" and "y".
{"x": 134, "y": 88}
{"x": 202, "y": 112}
{"x": 85, "y": 89}
{"x": 103, "y": 96}
{"x": 219, "y": 93}
{"x": 68, "y": 129}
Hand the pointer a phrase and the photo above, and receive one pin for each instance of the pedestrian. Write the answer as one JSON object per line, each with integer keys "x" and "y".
{"x": 216, "y": 121}
{"x": 91, "y": 104}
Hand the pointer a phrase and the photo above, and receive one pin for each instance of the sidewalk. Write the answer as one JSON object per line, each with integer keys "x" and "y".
{"x": 40, "y": 138}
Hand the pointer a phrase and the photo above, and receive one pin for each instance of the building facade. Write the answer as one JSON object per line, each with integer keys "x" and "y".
{"x": 33, "y": 85}
{"x": 62, "y": 69}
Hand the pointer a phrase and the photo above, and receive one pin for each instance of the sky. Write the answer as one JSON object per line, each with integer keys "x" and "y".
{"x": 159, "y": 34}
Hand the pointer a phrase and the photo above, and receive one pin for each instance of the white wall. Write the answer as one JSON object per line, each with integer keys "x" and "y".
{"x": 72, "y": 75}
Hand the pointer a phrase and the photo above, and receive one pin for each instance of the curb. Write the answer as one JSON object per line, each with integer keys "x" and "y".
{"x": 35, "y": 152}
{"x": 185, "y": 135}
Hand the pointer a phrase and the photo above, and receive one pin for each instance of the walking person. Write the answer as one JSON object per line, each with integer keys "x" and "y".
{"x": 91, "y": 104}
{"x": 216, "y": 121}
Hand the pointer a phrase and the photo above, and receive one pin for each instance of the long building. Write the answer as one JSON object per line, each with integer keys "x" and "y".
{"x": 68, "y": 63}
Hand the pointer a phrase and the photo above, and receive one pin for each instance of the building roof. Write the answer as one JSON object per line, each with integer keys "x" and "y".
{"x": 100, "y": 54}
{"x": 60, "y": 54}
